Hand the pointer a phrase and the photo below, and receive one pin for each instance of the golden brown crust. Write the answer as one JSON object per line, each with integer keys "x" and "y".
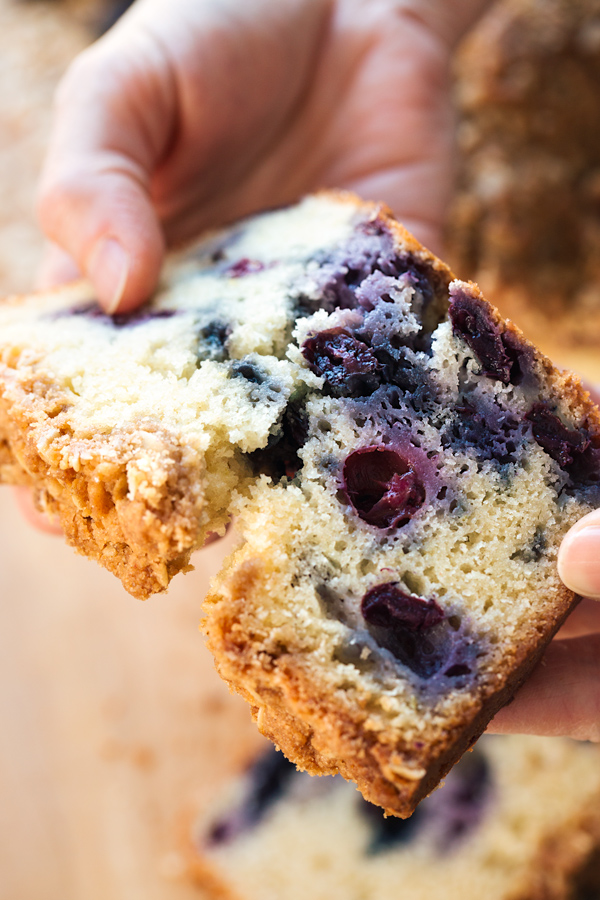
{"x": 327, "y": 734}
{"x": 140, "y": 524}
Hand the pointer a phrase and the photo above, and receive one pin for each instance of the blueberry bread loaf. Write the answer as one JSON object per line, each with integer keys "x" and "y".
{"x": 517, "y": 819}
{"x": 525, "y": 222}
{"x": 403, "y": 465}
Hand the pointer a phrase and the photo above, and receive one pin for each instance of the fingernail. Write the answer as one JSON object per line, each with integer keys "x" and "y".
{"x": 579, "y": 560}
{"x": 108, "y": 268}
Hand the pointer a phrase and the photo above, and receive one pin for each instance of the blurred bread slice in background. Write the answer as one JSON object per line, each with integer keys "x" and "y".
{"x": 525, "y": 222}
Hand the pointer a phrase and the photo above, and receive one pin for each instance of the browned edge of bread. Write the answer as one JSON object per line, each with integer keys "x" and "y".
{"x": 324, "y": 734}
{"x": 143, "y": 540}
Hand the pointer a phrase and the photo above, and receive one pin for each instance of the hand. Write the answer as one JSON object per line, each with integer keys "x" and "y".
{"x": 562, "y": 697}
{"x": 563, "y": 694}
{"x": 191, "y": 113}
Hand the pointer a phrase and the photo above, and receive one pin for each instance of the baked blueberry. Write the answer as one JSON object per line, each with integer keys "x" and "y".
{"x": 565, "y": 445}
{"x": 347, "y": 365}
{"x": 244, "y": 267}
{"x": 383, "y": 487}
{"x": 475, "y": 324}
{"x": 409, "y": 627}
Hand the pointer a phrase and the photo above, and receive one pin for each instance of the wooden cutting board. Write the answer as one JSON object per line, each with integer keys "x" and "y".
{"x": 113, "y": 723}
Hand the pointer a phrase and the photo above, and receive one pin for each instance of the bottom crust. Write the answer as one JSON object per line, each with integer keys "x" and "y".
{"x": 326, "y": 735}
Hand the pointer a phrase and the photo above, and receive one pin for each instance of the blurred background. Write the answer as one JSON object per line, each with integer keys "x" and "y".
{"x": 114, "y": 725}
{"x": 113, "y": 720}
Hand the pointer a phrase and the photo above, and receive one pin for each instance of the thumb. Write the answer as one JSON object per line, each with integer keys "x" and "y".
{"x": 579, "y": 557}
{"x": 94, "y": 194}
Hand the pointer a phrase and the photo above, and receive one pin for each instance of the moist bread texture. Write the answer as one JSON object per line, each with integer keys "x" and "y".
{"x": 517, "y": 819}
{"x": 402, "y": 463}
{"x": 134, "y": 429}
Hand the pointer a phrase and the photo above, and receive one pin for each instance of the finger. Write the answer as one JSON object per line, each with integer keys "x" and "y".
{"x": 579, "y": 557}
{"x": 33, "y": 515}
{"x": 562, "y": 697}
{"x": 112, "y": 123}
{"x": 57, "y": 267}
{"x": 585, "y": 619}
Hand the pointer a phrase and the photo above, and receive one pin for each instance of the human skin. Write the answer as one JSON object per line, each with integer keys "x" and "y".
{"x": 192, "y": 113}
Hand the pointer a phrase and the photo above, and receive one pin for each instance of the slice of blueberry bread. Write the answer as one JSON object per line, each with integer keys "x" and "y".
{"x": 402, "y": 462}
{"x": 397, "y": 580}
{"x": 516, "y": 819}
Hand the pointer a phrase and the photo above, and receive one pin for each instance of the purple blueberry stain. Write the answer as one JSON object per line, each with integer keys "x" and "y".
{"x": 243, "y": 267}
{"x": 347, "y": 365}
{"x": 344, "y": 270}
{"x": 212, "y": 343}
{"x": 494, "y": 433}
{"x": 371, "y": 249}
{"x": 375, "y": 289}
{"x": 384, "y": 486}
{"x": 92, "y": 310}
